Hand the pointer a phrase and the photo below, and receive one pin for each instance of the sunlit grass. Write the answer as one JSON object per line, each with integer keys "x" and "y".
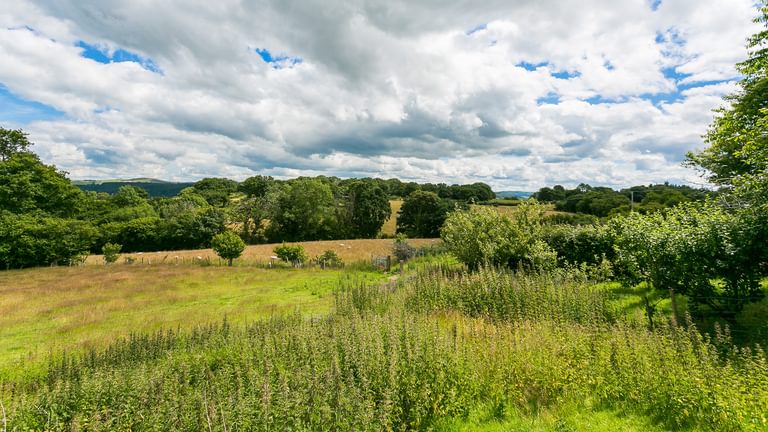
{"x": 49, "y": 309}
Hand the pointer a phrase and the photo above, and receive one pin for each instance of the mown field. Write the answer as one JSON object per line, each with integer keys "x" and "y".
{"x": 390, "y": 225}
{"x": 349, "y": 250}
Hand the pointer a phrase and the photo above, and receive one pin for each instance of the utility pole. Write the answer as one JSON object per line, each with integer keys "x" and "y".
{"x": 632, "y": 201}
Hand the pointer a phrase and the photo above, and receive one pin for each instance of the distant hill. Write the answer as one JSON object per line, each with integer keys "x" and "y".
{"x": 514, "y": 194}
{"x": 154, "y": 187}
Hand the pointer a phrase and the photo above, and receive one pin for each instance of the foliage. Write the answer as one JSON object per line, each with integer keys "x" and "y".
{"x": 216, "y": 191}
{"x": 154, "y": 189}
{"x": 368, "y": 209}
{"x": 111, "y": 252}
{"x": 256, "y": 186}
{"x": 502, "y": 294}
{"x": 291, "y": 253}
{"x": 228, "y": 245}
{"x": 570, "y": 219}
{"x": 401, "y": 249}
{"x": 481, "y": 235}
{"x": 140, "y": 234}
{"x": 701, "y": 251}
{"x": 330, "y": 259}
{"x": 12, "y": 141}
{"x": 578, "y": 244}
{"x": 28, "y": 185}
{"x": 603, "y": 201}
{"x": 304, "y": 209}
{"x": 422, "y": 214}
{"x": 34, "y": 239}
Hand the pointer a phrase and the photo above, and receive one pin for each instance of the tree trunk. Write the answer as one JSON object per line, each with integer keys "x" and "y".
{"x": 230, "y": 261}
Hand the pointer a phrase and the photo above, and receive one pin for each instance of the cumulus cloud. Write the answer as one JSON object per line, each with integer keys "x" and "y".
{"x": 517, "y": 94}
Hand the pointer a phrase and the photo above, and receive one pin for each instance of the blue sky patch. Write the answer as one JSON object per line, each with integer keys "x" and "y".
{"x": 531, "y": 66}
{"x": 550, "y": 99}
{"x": 597, "y": 100}
{"x": 279, "y": 61}
{"x": 16, "y": 110}
{"x": 655, "y": 4}
{"x": 102, "y": 55}
{"x": 566, "y": 74}
{"x": 476, "y": 29}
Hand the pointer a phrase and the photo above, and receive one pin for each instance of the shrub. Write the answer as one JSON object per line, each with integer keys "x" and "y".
{"x": 580, "y": 244}
{"x": 483, "y": 235}
{"x": 228, "y": 245}
{"x": 291, "y": 253}
{"x": 329, "y": 258}
{"x": 401, "y": 249}
{"x": 111, "y": 252}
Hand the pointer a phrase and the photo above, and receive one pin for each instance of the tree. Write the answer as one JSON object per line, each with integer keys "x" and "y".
{"x": 421, "y": 215}
{"x": 737, "y": 152}
{"x": 111, "y": 252}
{"x": 12, "y": 141}
{"x": 216, "y": 190}
{"x": 304, "y": 209}
{"x": 700, "y": 250}
{"x": 482, "y": 235}
{"x": 27, "y": 185}
{"x": 291, "y": 253}
{"x": 738, "y": 138}
{"x": 228, "y": 245}
{"x": 34, "y": 239}
{"x": 368, "y": 209}
{"x": 256, "y": 186}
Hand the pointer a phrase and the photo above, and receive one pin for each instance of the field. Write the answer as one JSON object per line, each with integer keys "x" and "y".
{"x": 444, "y": 351}
{"x": 348, "y": 250}
{"x": 390, "y": 225}
{"x": 48, "y": 309}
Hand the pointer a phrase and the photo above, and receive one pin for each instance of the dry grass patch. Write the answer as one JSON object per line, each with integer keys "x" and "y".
{"x": 390, "y": 225}
{"x": 348, "y": 250}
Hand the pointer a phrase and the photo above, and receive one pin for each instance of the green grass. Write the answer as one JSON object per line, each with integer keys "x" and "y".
{"x": 439, "y": 350}
{"x": 50, "y": 309}
{"x": 564, "y": 418}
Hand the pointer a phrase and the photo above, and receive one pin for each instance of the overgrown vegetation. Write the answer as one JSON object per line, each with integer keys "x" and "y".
{"x": 438, "y": 348}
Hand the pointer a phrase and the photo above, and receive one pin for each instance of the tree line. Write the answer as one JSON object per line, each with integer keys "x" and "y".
{"x": 46, "y": 219}
{"x": 604, "y": 201}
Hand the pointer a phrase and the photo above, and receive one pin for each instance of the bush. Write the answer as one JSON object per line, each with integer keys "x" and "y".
{"x": 580, "y": 244}
{"x": 483, "y": 235}
{"x": 291, "y": 253}
{"x": 329, "y": 258}
{"x": 111, "y": 252}
{"x": 228, "y": 245}
{"x": 401, "y": 249}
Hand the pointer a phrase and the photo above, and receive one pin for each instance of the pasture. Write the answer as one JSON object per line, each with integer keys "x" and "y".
{"x": 390, "y": 225}
{"x": 349, "y": 251}
{"x": 50, "y": 309}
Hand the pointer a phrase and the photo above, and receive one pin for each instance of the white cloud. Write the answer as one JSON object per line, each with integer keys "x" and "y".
{"x": 394, "y": 88}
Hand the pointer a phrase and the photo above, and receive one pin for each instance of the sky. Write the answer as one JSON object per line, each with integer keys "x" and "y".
{"x": 517, "y": 94}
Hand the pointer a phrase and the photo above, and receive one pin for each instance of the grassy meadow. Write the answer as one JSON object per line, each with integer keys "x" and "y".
{"x": 444, "y": 350}
{"x": 50, "y": 309}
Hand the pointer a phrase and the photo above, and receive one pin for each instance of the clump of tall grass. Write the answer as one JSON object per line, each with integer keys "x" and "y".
{"x": 510, "y": 296}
